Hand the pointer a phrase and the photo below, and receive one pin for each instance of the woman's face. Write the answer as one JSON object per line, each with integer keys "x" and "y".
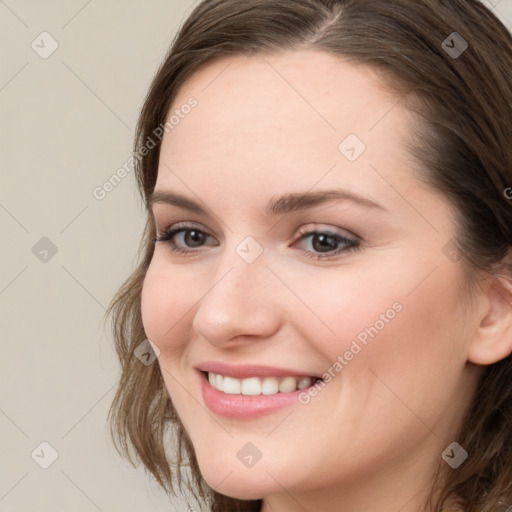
{"x": 313, "y": 250}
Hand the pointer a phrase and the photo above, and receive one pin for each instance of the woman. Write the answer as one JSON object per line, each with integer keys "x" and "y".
{"x": 326, "y": 275}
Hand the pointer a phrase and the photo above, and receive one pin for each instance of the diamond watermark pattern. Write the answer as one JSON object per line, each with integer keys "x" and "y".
{"x": 147, "y": 352}
{"x": 451, "y": 251}
{"x": 44, "y": 250}
{"x": 352, "y": 147}
{"x": 44, "y": 455}
{"x": 249, "y": 250}
{"x": 44, "y": 45}
{"x": 455, "y": 45}
{"x": 454, "y": 455}
{"x": 249, "y": 455}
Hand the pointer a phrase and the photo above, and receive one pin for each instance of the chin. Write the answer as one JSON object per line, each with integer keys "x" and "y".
{"x": 248, "y": 486}
{"x": 242, "y": 483}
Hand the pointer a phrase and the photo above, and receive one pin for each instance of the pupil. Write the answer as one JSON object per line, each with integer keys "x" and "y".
{"x": 325, "y": 243}
{"x": 194, "y": 238}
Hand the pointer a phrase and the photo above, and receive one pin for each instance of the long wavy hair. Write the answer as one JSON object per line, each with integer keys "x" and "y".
{"x": 463, "y": 148}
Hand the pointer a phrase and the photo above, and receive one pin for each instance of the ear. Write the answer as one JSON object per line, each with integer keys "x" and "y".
{"x": 492, "y": 340}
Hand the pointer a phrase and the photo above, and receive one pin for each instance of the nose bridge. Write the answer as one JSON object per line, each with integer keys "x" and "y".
{"x": 238, "y": 300}
{"x": 241, "y": 271}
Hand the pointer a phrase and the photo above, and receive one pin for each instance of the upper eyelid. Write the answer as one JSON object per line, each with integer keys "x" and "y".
{"x": 310, "y": 227}
{"x": 318, "y": 229}
{"x": 301, "y": 233}
{"x": 184, "y": 225}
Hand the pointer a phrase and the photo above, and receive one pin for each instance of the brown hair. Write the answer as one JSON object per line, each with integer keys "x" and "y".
{"x": 463, "y": 148}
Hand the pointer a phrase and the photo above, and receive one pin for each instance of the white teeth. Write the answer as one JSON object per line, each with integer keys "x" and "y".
{"x": 270, "y": 386}
{"x": 254, "y": 386}
{"x": 231, "y": 386}
{"x": 251, "y": 386}
{"x": 219, "y": 382}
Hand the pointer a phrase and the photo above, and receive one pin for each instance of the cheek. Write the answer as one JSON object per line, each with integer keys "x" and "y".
{"x": 345, "y": 306}
{"x": 374, "y": 301}
{"x": 404, "y": 327}
{"x": 416, "y": 361}
{"x": 166, "y": 302}
{"x": 401, "y": 342}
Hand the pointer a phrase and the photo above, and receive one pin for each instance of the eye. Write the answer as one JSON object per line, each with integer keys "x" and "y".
{"x": 316, "y": 244}
{"x": 184, "y": 238}
{"x": 326, "y": 244}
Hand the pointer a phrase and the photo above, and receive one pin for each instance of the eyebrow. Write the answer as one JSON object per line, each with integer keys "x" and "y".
{"x": 287, "y": 203}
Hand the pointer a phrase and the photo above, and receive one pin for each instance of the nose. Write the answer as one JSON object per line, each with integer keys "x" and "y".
{"x": 239, "y": 301}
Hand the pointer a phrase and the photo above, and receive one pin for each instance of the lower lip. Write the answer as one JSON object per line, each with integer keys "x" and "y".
{"x": 243, "y": 406}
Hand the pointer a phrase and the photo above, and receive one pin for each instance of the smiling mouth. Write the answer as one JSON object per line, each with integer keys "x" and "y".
{"x": 254, "y": 386}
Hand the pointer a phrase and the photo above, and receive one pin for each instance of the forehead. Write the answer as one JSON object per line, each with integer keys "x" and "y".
{"x": 273, "y": 118}
{"x": 288, "y": 90}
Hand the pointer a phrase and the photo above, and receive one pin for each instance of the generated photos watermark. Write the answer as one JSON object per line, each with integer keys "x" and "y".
{"x": 101, "y": 191}
{"x": 358, "y": 344}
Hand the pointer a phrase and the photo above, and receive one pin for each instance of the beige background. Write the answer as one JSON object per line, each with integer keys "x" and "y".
{"x": 66, "y": 125}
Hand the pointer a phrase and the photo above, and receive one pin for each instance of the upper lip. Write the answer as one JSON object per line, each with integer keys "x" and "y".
{"x": 243, "y": 371}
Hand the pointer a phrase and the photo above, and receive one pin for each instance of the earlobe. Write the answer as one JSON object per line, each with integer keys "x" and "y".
{"x": 492, "y": 341}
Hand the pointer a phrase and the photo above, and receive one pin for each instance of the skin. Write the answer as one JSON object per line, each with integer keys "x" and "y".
{"x": 269, "y": 125}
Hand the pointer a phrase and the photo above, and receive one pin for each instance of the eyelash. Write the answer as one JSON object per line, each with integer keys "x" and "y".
{"x": 350, "y": 245}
